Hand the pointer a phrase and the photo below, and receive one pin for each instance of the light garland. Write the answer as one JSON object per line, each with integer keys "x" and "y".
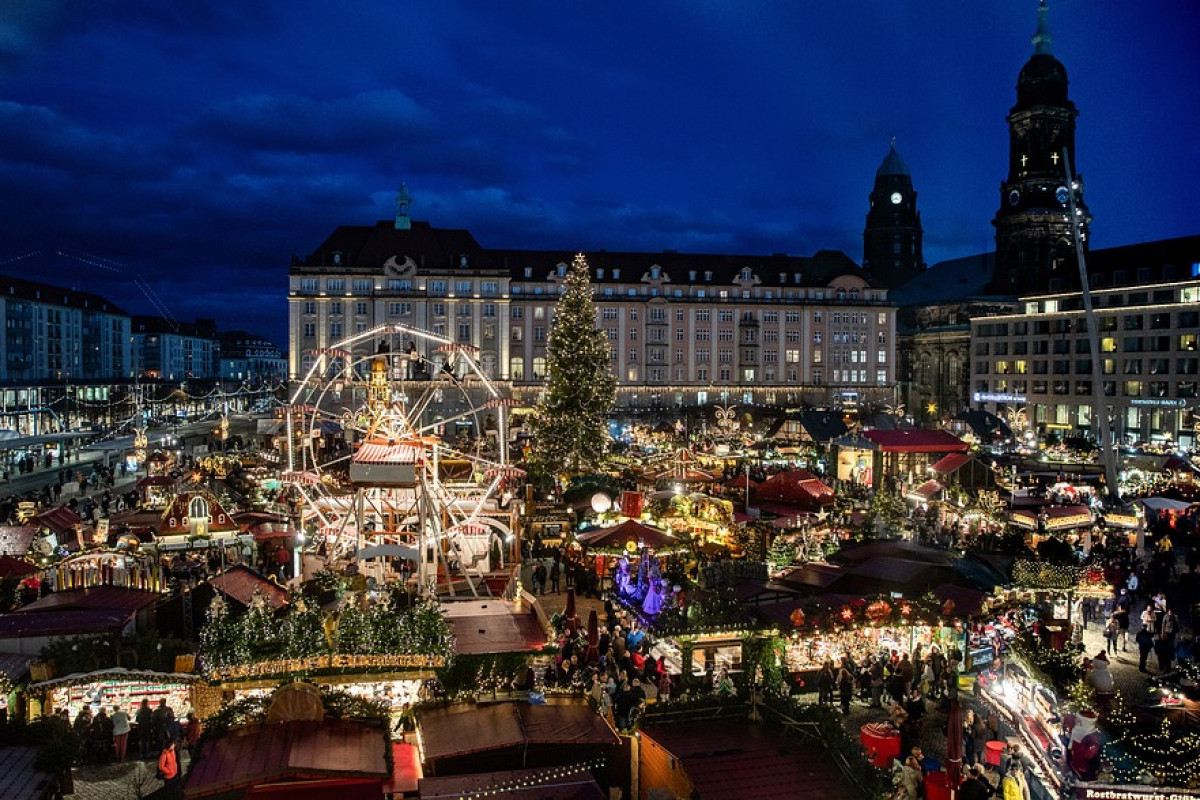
{"x": 543, "y": 777}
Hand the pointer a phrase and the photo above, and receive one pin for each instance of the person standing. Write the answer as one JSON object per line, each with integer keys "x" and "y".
{"x": 555, "y": 572}
{"x": 168, "y": 763}
{"x": 191, "y": 733}
{"x": 845, "y": 683}
{"x": 145, "y": 728}
{"x": 1145, "y": 643}
{"x": 1122, "y": 615}
{"x": 120, "y": 723}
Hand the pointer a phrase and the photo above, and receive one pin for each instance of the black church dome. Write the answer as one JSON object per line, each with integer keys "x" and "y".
{"x": 1043, "y": 81}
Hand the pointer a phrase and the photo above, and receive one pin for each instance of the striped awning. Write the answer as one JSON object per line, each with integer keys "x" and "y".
{"x": 379, "y": 453}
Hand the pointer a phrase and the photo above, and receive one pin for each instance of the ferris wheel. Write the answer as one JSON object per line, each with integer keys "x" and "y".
{"x": 398, "y": 446}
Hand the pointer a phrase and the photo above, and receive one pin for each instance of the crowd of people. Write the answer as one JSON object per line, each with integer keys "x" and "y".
{"x": 104, "y": 737}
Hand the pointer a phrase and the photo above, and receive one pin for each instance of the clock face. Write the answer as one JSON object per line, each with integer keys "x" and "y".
{"x": 897, "y": 198}
{"x": 1061, "y": 194}
{"x": 1014, "y": 197}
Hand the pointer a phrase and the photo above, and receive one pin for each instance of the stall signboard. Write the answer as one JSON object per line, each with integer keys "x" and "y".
{"x": 335, "y": 661}
{"x": 632, "y": 504}
{"x": 1121, "y": 520}
{"x": 1133, "y": 792}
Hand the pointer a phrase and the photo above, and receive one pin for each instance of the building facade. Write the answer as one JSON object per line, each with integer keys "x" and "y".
{"x": 250, "y": 357}
{"x": 1038, "y": 361}
{"x": 172, "y": 351}
{"x": 684, "y": 329}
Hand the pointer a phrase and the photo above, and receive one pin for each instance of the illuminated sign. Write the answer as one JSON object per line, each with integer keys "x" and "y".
{"x": 1159, "y": 402}
{"x": 997, "y": 397}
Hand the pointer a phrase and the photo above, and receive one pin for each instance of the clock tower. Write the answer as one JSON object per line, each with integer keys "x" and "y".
{"x": 892, "y": 237}
{"x": 1035, "y": 248}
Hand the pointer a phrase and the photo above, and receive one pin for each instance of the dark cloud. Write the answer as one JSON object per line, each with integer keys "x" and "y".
{"x": 201, "y": 144}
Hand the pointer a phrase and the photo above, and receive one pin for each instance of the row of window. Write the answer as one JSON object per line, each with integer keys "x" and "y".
{"x": 1159, "y": 320}
{"x": 1157, "y": 389}
{"x": 360, "y": 286}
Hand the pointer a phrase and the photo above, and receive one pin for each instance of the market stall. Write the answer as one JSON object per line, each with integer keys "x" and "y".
{"x": 703, "y": 654}
{"x": 1031, "y": 710}
{"x": 123, "y": 568}
{"x": 116, "y": 686}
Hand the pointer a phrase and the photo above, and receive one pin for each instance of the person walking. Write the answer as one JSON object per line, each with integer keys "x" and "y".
{"x": 120, "y": 723}
{"x": 1111, "y": 632}
{"x": 1122, "y": 615}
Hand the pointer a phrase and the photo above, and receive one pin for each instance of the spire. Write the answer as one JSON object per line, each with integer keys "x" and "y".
{"x": 1041, "y": 39}
{"x": 403, "y": 201}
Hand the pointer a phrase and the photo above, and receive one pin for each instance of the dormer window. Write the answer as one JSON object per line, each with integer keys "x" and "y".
{"x": 198, "y": 508}
{"x": 708, "y": 274}
{"x": 746, "y": 273}
{"x": 796, "y": 277}
{"x": 616, "y": 274}
{"x": 529, "y": 272}
{"x": 600, "y": 273}
{"x": 783, "y": 277}
{"x": 691, "y": 275}
{"x": 654, "y": 273}
{"x": 562, "y": 270}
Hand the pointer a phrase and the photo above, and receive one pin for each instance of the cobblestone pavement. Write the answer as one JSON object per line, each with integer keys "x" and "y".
{"x": 130, "y": 780}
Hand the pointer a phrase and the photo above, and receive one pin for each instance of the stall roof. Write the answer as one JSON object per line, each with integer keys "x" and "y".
{"x": 19, "y": 779}
{"x": 59, "y": 520}
{"x": 117, "y": 674}
{"x": 11, "y": 567}
{"x": 241, "y": 583}
{"x": 16, "y": 539}
{"x": 927, "y": 490}
{"x": 538, "y": 784}
{"x": 462, "y": 730}
{"x": 811, "y": 574}
{"x": 494, "y": 626}
{"x": 95, "y": 610}
{"x": 1164, "y": 504}
{"x": 951, "y": 463}
{"x": 890, "y": 569}
{"x": 967, "y": 601}
{"x": 293, "y": 750}
{"x": 14, "y": 667}
{"x": 629, "y": 530}
{"x": 797, "y": 486}
{"x": 916, "y": 441}
{"x": 737, "y": 759}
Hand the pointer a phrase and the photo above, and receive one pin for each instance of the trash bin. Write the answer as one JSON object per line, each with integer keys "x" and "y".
{"x": 937, "y": 786}
{"x": 993, "y": 751}
{"x": 881, "y": 741}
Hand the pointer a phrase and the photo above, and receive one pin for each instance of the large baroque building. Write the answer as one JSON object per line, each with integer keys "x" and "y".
{"x": 684, "y": 329}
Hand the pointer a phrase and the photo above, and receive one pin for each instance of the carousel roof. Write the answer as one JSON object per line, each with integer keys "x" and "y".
{"x": 628, "y": 531}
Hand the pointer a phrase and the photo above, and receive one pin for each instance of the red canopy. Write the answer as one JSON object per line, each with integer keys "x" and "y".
{"x": 628, "y": 531}
{"x": 916, "y": 441}
{"x": 15, "y": 567}
{"x": 950, "y": 463}
{"x": 797, "y": 487}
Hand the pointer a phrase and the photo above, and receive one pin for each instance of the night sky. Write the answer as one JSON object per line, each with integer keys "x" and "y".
{"x": 201, "y": 144}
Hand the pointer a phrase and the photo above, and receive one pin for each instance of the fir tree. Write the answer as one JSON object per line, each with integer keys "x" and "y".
{"x": 570, "y": 424}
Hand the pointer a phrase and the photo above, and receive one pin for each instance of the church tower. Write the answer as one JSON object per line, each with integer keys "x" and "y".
{"x": 1035, "y": 249}
{"x": 892, "y": 237}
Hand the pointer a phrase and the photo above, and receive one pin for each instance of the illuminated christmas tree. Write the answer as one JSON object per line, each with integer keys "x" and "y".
{"x": 570, "y": 425}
